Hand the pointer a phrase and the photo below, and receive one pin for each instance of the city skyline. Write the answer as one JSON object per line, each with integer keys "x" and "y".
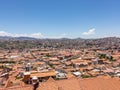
{"x": 60, "y": 19}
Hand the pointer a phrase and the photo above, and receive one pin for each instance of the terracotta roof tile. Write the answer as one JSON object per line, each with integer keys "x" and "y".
{"x": 99, "y": 83}
{"x": 82, "y": 84}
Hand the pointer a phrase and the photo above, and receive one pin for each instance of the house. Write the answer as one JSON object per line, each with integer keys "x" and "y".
{"x": 61, "y": 75}
{"x": 108, "y": 71}
{"x": 43, "y": 76}
{"x": 79, "y": 63}
{"x": 77, "y": 73}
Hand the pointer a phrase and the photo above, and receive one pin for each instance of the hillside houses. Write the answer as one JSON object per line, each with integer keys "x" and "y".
{"x": 21, "y": 68}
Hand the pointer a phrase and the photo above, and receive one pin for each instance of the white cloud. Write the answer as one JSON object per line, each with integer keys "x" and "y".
{"x": 63, "y": 35}
{"x": 37, "y": 35}
{"x": 89, "y": 32}
{"x": 34, "y": 35}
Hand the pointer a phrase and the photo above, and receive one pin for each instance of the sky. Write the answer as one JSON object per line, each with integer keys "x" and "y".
{"x": 60, "y": 18}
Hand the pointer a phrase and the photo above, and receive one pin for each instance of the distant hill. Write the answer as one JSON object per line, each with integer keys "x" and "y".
{"x": 31, "y": 38}
{"x": 63, "y": 43}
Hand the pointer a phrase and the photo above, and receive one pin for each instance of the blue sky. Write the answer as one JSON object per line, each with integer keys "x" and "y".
{"x": 60, "y": 18}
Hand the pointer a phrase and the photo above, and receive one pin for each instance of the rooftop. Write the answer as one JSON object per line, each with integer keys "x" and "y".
{"x": 100, "y": 83}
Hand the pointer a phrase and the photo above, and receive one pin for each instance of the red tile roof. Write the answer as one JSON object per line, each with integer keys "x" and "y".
{"x": 99, "y": 83}
{"x": 18, "y": 88}
{"x": 82, "y": 84}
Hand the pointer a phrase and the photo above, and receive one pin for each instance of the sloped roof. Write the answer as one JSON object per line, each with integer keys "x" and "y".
{"x": 99, "y": 83}
{"x": 49, "y": 85}
{"x": 19, "y": 88}
{"x": 44, "y": 74}
{"x": 82, "y": 84}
